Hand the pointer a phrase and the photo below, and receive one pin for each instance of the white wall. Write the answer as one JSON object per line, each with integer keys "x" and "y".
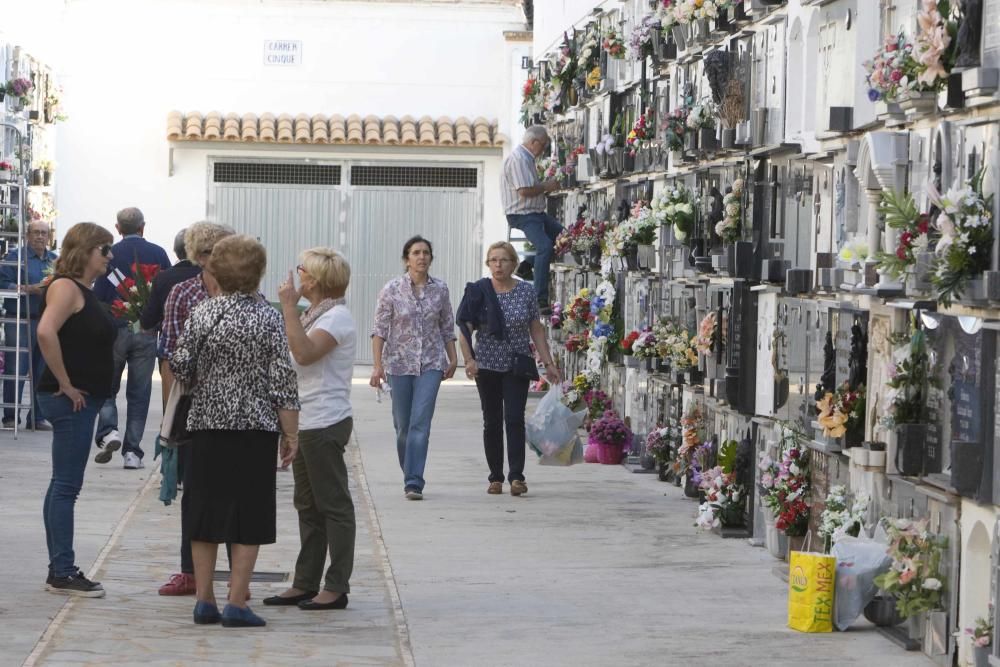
{"x": 553, "y": 17}
{"x": 125, "y": 63}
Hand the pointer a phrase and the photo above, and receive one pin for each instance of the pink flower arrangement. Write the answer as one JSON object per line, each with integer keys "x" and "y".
{"x": 610, "y": 430}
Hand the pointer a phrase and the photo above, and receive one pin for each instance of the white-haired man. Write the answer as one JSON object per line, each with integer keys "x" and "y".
{"x": 523, "y": 194}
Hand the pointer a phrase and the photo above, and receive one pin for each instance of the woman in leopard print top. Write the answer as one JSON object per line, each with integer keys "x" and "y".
{"x": 234, "y": 356}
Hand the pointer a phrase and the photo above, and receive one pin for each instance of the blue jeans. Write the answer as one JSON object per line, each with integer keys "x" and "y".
{"x": 37, "y": 366}
{"x": 413, "y": 400}
{"x": 71, "y": 433}
{"x": 138, "y": 350}
{"x": 542, "y": 230}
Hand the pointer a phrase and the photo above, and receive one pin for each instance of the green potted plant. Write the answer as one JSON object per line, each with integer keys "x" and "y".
{"x": 915, "y": 578}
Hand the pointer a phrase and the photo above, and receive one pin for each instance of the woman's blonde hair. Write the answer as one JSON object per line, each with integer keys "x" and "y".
{"x": 201, "y": 237}
{"x": 80, "y": 241}
{"x": 506, "y": 247}
{"x": 330, "y": 270}
{"x": 238, "y": 263}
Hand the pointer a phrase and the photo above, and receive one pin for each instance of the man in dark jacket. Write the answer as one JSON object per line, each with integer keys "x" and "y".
{"x": 133, "y": 346}
{"x": 152, "y": 314}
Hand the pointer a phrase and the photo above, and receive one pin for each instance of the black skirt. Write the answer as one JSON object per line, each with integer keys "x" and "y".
{"x": 231, "y": 477}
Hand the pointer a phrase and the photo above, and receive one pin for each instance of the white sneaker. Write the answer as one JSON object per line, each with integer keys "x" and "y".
{"x": 132, "y": 462}
{"x": 108, "y": 445}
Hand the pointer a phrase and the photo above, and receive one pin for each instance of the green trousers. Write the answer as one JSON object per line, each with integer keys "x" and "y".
{"x": 326, "y": 511}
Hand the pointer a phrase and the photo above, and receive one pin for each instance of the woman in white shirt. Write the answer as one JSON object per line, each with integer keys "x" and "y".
{"x": 322, "y": 342}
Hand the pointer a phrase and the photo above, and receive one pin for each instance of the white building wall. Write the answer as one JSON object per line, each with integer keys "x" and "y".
{"x": 125, "y": 63}
{"x": 553, "y": 17}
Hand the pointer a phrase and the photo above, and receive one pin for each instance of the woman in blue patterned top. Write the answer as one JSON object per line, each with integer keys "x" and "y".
{"x": 504, "y": 313}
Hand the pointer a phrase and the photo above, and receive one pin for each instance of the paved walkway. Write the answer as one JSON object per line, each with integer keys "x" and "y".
{"x": 594, "y": 566}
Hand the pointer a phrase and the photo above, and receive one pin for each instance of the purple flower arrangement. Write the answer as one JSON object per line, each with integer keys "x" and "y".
{"x": 609, "y": 430}
{"x": 19, "y": 87}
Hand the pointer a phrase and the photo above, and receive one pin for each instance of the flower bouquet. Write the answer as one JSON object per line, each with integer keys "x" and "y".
{"x": 784, "y": 486}
{"x": 729, "y": 228}
{"x": 701, "y": 116}
{"x": 644, "y": 346}
{"x": 638, "y": 137}
{"x": 915, "y": 576}
{"x": 577, "y": 342}
{"x": 532, "y": 100}
{"x": 841, "y": 518}
{"x": 640, "y": 40}
{"x": 133, "y": 293}
{"x": 571, "y": 397}
{"x": 909, "y": 376}
{"x": 900, "y": 212}
{"x": 581, "y": 237}
{"x": 675, "y": 344}
{"x": 21, "y": 89}
{"x": 674, "y": 125}
{"x": 578, "y": 315}
{"x": 981, "y": 635}
{"x": 692, "y": 429}
{"x": 626, "y": 342}
{"x": 842, "y": 413}
{"x": 966, "y": 227}
{"x": 677, "y": 208}
{"x": 6, "y": 171}
{"x": 549, "y": 169}
{"x": 725, "y": 497}
{"x": 658, "y": 442}
{"x": 613, "y": 44}
{"x": 610, "y": 436}
{"x": 705, "y": 340}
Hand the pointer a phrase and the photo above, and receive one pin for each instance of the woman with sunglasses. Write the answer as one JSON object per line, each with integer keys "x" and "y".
{"x": 76, "y": 336}
{"x": 413, "y": 347}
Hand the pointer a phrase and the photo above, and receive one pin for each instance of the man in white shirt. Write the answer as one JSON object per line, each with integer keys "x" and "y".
{"x": 523, "y": 196}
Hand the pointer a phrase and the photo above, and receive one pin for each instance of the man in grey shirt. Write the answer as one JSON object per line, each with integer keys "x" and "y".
{"x": 523, "y": 196}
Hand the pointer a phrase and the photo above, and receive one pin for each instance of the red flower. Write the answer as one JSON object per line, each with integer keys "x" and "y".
{"x": 923, "y": 223}
{"x": 148, "y": 271}
{"x": 901, "y": 252}
{"x": 118, "y": 308}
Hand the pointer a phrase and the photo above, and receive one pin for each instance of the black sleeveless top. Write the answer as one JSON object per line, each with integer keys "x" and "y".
{"x": 87, "y": 339}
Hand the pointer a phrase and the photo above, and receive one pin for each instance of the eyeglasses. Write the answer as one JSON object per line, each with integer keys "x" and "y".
{"x": 105, "y": 250}
{"x": 499, "y": 260}
{"x": 301, "y": 269}
{"x": 39, "y": 232}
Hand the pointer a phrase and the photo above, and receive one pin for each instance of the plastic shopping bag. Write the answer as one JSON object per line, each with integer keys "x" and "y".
{"x": 859, "y": 561}
{"x": 552, "y": 430}
{"x": 811, "y": 591}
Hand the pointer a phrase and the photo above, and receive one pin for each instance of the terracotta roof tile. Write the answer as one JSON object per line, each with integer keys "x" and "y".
{"x": 319, "y": 129}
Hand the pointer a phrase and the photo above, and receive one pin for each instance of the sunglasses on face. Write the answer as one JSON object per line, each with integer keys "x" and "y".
{"x": 105, "y": 250}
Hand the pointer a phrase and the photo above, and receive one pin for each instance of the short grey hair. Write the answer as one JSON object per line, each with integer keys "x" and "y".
{"x": 535, "y": 133}
{"x": 201, "y": 237}
{"x": 130, "y": 220}
{"x": 179, "y": 249}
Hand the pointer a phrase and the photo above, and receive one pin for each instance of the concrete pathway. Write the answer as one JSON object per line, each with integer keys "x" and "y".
{"x": 595, "y": 566}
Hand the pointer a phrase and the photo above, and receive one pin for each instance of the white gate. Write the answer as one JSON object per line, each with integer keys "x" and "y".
{"x": 366, "y": 210}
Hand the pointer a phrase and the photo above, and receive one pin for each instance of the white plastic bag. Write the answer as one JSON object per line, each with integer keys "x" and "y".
{"x": 552, "y": 430}
{"x": 859, "y": 561}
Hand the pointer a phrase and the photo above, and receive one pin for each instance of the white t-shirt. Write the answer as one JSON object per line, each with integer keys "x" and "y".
{"x": 325, "y": 385}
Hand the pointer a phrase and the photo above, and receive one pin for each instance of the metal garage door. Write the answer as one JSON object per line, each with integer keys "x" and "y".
{"x": 366, "y": 210}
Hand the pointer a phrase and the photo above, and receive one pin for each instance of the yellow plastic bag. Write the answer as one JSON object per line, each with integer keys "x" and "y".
{"x": 810, "y": 591}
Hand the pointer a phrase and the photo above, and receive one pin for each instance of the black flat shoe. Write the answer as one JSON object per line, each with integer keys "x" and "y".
{"x": 339, "y": 603}
{"x": 278, "y": 601}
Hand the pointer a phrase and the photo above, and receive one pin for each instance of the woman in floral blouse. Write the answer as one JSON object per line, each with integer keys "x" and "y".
{"x": 413, "y": 345}
{"x": 234, "y": 355}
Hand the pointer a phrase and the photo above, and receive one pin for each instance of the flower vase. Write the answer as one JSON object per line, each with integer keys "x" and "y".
{"x": 854, "y": 435}
{"x": 46, "y": 177}
{"x": 966, "y": 467}
{"x": 628, "y": 162}
{"x": 691, "y": 489}
{"x": 728, "y": 138}
{"x": 731, "y": 516}
{"x": 650, "y": 364}
{"x": 740, "y": 13}
{"x": 645, "y": 256}
{"x": 910, "y": 439}
{"x": 36, "y": 177}
{"x": 5, "y": 175}
{"x": 679, "y": 378}
{"x": 595, "y": 258}
{"x": 695, "y": 376}
{"x": 915, "y": 625}
{"x": 680, "y": 35}
{"x": 981, "y": 655}
{"x": 631, "y": 361}
{"x": 590, "y": 453}
{"x": 706, "y": 139}
{"x": 609, "y": 455}
{"x": 632, "y": 258}
{"x": 916, "y": 104}
{"x": 663, "y": 471}
{"x": 579, "y": 258}
{"x": 882, "y": 612}
{"x": 702, "y": 31}
{"x": 690, "y": 141}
